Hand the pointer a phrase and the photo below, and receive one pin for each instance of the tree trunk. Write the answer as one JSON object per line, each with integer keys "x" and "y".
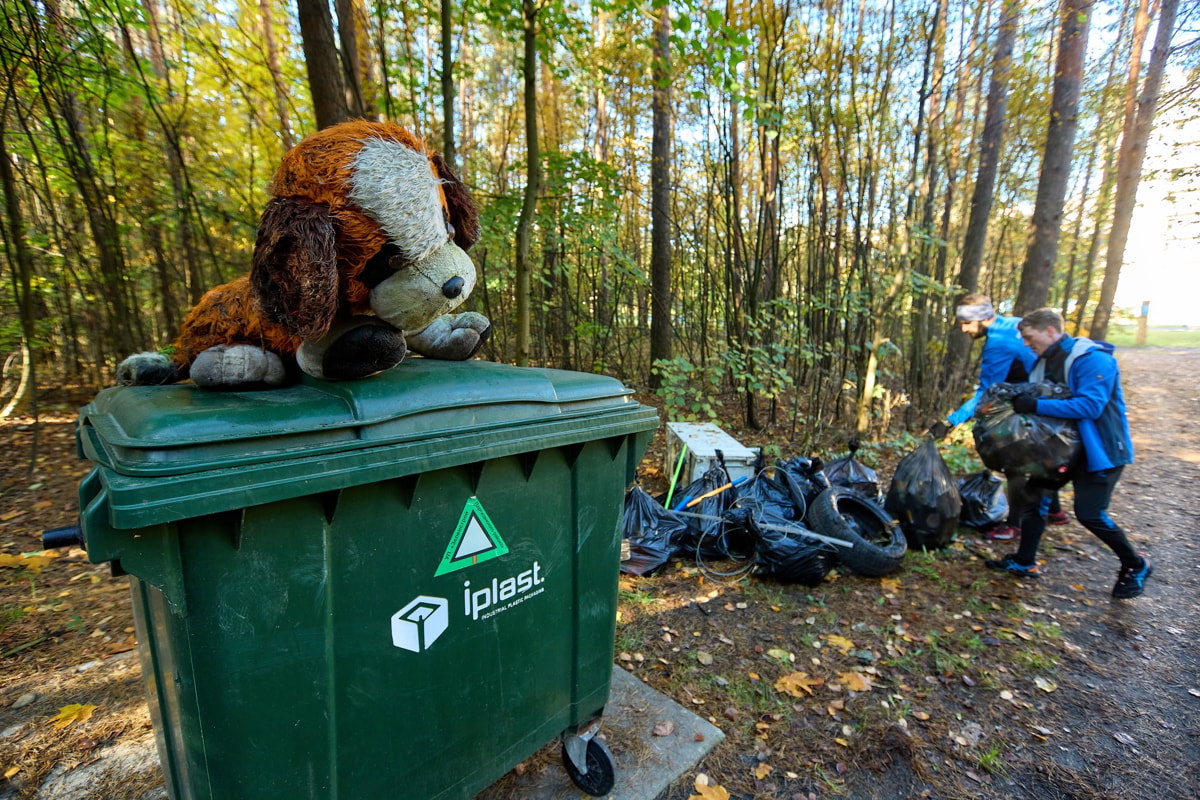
{"x": 350, "y": 31}
{"x": 447, "y": 23}
{"x": 322, "y": 62}
{"x": 660, "y": 196}
{"x": 1041, "y": 255}
{"x": 989, "y": 156}
{"x": 1129, "y": 166}
{"x": 532, "y": 184}
{"x": 277, "y": 84}
{"x": 21, "y": 264}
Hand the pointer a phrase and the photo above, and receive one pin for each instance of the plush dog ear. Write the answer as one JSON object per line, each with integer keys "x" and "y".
{"x": 294, "y": 277}
{"x": 464, "y": 216}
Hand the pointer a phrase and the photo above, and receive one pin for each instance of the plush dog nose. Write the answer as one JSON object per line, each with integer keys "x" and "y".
{"x": 452, "y": 288}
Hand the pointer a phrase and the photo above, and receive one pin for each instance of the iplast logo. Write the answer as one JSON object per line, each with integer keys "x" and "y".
{"x": 419, "y": 624}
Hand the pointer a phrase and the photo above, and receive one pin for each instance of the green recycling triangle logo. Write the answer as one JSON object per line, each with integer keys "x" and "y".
{"x": 475, "y": 539}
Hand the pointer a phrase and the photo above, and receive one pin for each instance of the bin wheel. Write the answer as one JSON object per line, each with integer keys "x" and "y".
{"x": 601, "y": 769}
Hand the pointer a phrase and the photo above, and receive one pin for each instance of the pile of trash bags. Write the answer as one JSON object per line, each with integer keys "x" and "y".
{"x": 789, "y": 522}
{"x": 796, "y": 520}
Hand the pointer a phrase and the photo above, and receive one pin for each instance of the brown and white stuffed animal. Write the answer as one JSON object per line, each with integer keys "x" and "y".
{"x": 360, "y": 257}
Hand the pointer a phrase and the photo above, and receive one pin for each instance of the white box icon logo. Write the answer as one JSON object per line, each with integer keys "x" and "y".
{"x": 419, "y": 624}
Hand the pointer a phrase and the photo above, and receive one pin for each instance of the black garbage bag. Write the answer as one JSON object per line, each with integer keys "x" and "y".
{"x": 984, "y": 501}
{"x": 649, "y": 528}
{"x": 1043, "y": 448}
{"x": 848, "y": 471}
{"x": 923, "y": 497}
{"x": 782, "y": 550}
{"x": 809, "y": 475}
{"x": 776, "y": 492}
{"x": 709, "y": 535}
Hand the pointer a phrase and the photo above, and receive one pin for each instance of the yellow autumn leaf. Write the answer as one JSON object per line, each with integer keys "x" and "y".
{"x": 842, "y": 742}
{"x": 779, "y": 654}
{"x": 8, "y": 773}
{"x": 798, "y": 682}
{"x": 72, "y": 713}
{"x": 855, "y": 681}
{"x": 762, "y": 771}
{"x": 705, "y": 791}
{"x": 1044, "y": 685}
{"x": 840, "y": 642}
{"x": 890, "y": 585}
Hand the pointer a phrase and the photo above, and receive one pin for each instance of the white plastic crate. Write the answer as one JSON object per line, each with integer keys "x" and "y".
{"x": 703, "y": 440}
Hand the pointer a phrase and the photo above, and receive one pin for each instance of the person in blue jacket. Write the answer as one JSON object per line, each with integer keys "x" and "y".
{"x": 1006, "y": 359}
{"x": 1097, "y": 404}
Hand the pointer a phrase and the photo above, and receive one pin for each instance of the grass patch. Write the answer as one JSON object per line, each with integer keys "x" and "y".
{"x": 1126, "y": 336}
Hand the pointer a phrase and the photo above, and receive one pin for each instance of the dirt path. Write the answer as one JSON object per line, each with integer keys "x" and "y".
{"x": 1125, "y": 722}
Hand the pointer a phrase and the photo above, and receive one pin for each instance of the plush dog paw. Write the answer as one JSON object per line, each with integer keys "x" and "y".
{"x": 452, "y": 337}
{"x": 147, "y": 369}
{"x": 239, "y": 366}
{"x": 356, "y": 348}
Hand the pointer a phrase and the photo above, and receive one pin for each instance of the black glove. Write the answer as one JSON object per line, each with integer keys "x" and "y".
{"x": 1025, "y": 404}
{"x": 939, "y": 429}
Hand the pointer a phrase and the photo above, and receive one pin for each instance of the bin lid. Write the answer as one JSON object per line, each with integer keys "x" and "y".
{"x": 182, "y": 429}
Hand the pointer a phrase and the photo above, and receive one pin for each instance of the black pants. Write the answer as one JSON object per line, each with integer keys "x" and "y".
{"x": 1093, "y": 492}
{"x": 1016, "y": 485}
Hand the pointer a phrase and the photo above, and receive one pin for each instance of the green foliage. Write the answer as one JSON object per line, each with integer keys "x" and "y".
{"x": 689, "y": 392}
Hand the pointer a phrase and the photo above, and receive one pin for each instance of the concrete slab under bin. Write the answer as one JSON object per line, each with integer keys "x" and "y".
{"x": 646, "y": 764}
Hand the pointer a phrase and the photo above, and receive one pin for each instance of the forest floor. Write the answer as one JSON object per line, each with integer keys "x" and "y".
{"x": 942, "y": 680}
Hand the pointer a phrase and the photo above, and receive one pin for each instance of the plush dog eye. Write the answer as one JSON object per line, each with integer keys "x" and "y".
{"x": 397, "y": 262}
{"x": 449, "y": 229}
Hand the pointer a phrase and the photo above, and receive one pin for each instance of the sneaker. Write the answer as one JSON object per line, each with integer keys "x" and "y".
{"x": 1003, "y": 533}
{"x": 1131, "y": 581}
{"x": 1058, "y": 518}
{"x": 1010, "y": 564}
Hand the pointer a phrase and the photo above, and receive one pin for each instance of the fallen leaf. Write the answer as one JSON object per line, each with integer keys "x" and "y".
{"x": 855, "y": 681}
{"x": 798, "y": 682}
{"x": 704, "y": 658}
{"x": 921, "y": 715}
{"x": 706, "y": 791}
{"x": 1044, "y": 685}
{"x": 840, "y": 642}
{"x": 42, "y": 506}
{"x": 1078, "y": 587}
{"x": 842, "y": 742}
{"x": 762, "y": 771}
{"x": 1125, "y": 738}
{"x": 72, "y": 713}
{"x": 1194, "y": 692}
{"x": 890, "y": 584}
{"x": 8, "y": 773}
{"x": 779, "y": 654}
{"x": 665, "y": 728}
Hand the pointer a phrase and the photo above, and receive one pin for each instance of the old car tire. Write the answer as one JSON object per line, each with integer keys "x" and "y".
{"x": 842, "y": 513}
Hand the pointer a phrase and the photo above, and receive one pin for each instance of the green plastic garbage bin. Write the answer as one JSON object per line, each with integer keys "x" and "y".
{"x": 391, "y": 588}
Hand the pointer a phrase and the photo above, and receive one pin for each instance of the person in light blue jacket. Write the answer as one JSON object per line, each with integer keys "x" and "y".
{"x": 1097, "y": 404}
{"x": 1005, "y": 359}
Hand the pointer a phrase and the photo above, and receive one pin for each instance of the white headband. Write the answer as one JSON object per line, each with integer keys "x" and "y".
{"x": 979, "y": 312}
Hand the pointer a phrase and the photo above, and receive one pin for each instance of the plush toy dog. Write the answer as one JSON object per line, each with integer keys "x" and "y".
{"x": 359, "y": 258}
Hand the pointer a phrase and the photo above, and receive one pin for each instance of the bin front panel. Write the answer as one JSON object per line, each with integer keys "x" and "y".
{"x": 412, "y": 637}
